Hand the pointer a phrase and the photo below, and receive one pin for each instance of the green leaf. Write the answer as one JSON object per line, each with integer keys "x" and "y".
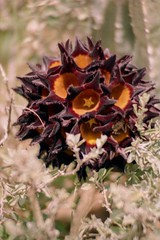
{"x": 101, "y": 174}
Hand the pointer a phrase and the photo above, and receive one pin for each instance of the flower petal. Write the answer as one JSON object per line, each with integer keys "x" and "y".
{"x": 62, "y": 82}
{"x": 82, "y": 60}
{"x": 122, "y": 93}
{"x": 121, "y": 135}
{"x": 86, "y": 101}
{"x": 87, "y": 132}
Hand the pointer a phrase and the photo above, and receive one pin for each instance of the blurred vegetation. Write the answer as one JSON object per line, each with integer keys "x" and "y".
{"x": 38, "y": 203}
{"x": 31, "y": 29}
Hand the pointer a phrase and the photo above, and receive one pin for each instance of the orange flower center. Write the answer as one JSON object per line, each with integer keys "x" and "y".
{"x": 121, "y": 135}
{"x": 107, "y": 76}
{"x": 82, "y": 60}
{"x": 87, "y": 132}
{"x": 62, "y": 83}
{"x": 122, "y": 94}
{"x": 45, "y": 93}
{"x": 39, "y": 130}
{"x": 55, "y": 64}
{"x": 86, "y": 101}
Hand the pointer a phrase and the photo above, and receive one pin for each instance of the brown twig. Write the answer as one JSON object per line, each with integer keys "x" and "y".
{"x": 7, "y": 129}
{"x": 84, "y": 206}
{"x": 30, "y": 110}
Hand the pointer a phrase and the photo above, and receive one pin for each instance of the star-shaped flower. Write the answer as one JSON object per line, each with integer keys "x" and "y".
{"x": 87, "y": 92}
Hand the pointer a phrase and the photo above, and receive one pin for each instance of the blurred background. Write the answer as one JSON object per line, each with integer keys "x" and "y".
{"x": 31, "y": 29}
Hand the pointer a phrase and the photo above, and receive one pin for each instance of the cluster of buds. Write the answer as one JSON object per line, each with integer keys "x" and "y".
{"x": 85, "y": 91}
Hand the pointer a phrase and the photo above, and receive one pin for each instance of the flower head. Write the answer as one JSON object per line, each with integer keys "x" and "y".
{"x": 85, "y": 91}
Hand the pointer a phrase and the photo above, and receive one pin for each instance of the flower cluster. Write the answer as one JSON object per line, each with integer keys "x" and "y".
{"x": 85, "y": 91}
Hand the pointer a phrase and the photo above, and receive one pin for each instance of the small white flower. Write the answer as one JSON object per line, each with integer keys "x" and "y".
{"x": 72, "y": 140}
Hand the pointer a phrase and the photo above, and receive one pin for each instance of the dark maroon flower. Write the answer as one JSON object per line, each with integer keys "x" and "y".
{"x": 87, "y": 91}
